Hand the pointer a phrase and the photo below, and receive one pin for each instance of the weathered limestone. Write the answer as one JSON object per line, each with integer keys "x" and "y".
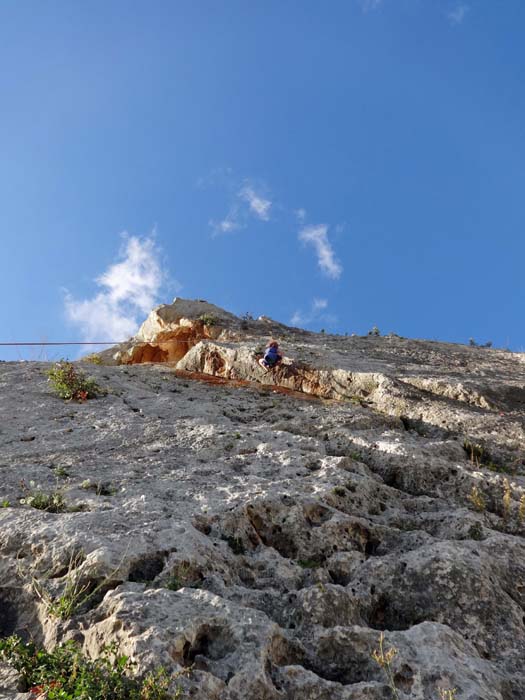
{"x": 267, "y": 528}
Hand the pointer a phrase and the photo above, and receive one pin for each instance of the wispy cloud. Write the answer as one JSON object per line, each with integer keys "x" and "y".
{"x": 316, "y": 312}
{"x": 317, "y": 236}
{"x": 369, "y": 5}
{"x": 300, "y": 214}
{"x": 231, "y": 222}
{"x": 247, "y": 203}
{"x": 458, "y": 14}
{"x": 128, "y": 291}
{"x": 319, "y": 304}
{"x": 258, "y": 206}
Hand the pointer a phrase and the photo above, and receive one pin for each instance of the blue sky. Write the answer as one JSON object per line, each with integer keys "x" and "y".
{"x": 340, "y": 165}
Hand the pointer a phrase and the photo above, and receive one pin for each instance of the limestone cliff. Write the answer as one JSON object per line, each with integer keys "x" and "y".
{"x": 265, "y": 528}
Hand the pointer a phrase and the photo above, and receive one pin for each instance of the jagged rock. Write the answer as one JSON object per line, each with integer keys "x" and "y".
{"x": 268, "y": 527}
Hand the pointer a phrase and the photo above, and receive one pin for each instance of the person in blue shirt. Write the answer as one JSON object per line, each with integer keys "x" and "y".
{"x": 272, "y": 356}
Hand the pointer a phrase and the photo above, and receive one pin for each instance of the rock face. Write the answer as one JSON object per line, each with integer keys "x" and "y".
{"x": 265, "y": 529}
{"x": 172, "y": 329}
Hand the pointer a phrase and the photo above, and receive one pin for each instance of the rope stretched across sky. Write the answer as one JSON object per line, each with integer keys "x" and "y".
{"x": 93, "y": 342}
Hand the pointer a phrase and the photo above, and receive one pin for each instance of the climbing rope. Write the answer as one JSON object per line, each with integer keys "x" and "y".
{"x": 67, "y": 343}
{"x": 92, "y": 342}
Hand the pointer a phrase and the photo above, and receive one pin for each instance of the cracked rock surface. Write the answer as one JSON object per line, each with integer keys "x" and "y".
{"x": 265, "y": 529}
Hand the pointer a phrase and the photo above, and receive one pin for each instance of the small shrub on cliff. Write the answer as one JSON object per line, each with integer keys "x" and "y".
{"x": 475, "y": 453}
{"x": 70, "y": 383}
{"x": 447, "y": 694}
{"x": 35, "y": 497}
{"x": 474, "y": 344}
{"x": 507, "y": 499}
{"x": 245, "y": 320}
{"x": 207, "y": 320}
{"x": 93, "y": 358}
{"x": 481, "y": 457}
{"x": 65, "y": 673}
{"x": 383, "y": 658}
{"x": 74, "y": 592}
{"x": 477, "y": 499}
{"x": 475, "y": 532}
{"x": 521, "y": 511}
{"x": 339, "y": 491}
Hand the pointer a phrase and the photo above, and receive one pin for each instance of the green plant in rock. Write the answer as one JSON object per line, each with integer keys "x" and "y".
{"x": 245, "y": 320}
{"x": 35, "y": 497}
{"x": 61, "y": 472}
{"x": 339, "y": 491}
{"x": 480, "y": 457}
{"x": 521, "y": 510}
{"x": 78, "y": 588}
{"x": 475, "y": 532}
{"x": 383, "y": 658}
{"x": 501, "y": 468}
{"x": 474, "y": 344}
{"x": 507, "y": 499}
{"x": 474, "y": 452}
{"x": 93, "y": 358}
{"x": 66, "y": 674}
{"x": 70, "y": 383}
{"x": 5, "y": 503}
{"x": 477, "y": 499}
{"x": 207, "y": 320}
{"x": 74, "y": 594}
{"x": 447, "y": 693}
{"x": 66, "y": 605}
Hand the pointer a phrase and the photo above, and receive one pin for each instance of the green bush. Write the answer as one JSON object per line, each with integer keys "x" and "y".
{"x": 36, "y": 498}
{"x": 93, "y": 358}
{"x": 207, "y": 320}
{"x": 70, "y": 383}
{"x": 66, "y": 674}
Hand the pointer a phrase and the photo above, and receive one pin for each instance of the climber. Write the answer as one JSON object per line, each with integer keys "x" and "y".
{"x": 272, "y": 357}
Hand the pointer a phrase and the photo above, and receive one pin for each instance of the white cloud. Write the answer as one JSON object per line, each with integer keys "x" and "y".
{"x": 368, "y": 5}
{"x": 128, "y": 291}
{"x": 315, "y": 313}
{"x": 300, "y": 214}
{"x": 259, "y": 206}
{"x": 457, "y": 15}
{"x": 230, "y": 223}
{"x": 317, "y": 236}
{"x": 247, "y": 203}
{"x": 298, "y": 319}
